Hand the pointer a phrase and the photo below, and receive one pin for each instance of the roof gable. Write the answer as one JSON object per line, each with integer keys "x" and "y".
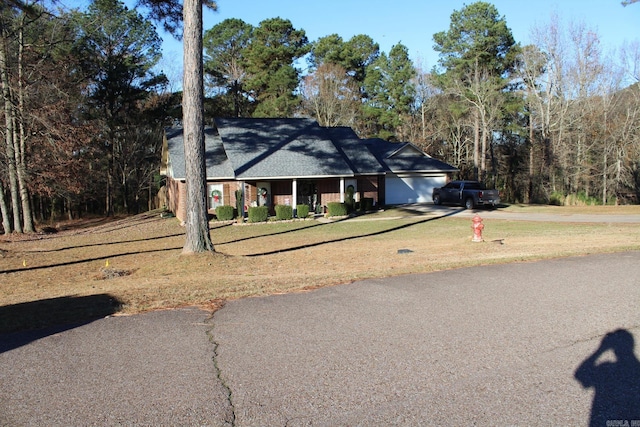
{"x": 407, "y": 149}
{"x": 405, "y": 157}
{"x": 240, "y": 148}
{"x": 216, "y": 160}
{"x": 270, "y": 148}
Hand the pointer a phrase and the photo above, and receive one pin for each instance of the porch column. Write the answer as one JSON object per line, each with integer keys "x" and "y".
{"x": 294, "y": 196}
{"x": 342, "y": 190}
{"x": 244, "y": 198}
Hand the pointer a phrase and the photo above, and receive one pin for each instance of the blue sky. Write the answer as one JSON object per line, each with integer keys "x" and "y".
{"x": 413, "y": 22}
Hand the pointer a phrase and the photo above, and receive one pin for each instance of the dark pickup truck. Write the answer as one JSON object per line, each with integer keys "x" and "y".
{"x": 466, "y": 193}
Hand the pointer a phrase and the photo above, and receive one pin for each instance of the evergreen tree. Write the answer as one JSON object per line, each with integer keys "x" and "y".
{"x": 477, "y": 54}
{"x": 272, "y": 76}
{"x": 119, "y": 50}
{"x": 224, "y": 46}
{"x": 391, "y": 93}
{"x": 354, "y": 55}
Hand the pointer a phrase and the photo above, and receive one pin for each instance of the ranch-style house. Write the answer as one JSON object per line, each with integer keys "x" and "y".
{"x": 296, "y": 161}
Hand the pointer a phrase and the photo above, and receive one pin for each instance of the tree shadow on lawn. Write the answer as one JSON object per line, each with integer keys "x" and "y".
{"x": 23, "y": 323}
{"x": 102, "y": 224}
{"x": 85, "y": 260}
{"x": 242, "y": 239}
{"x": 342, "y": 239}
{"x": 147, "y": 239}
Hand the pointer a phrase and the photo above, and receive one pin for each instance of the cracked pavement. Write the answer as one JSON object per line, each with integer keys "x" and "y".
{"x": 145, "y": 370}
{"x": 485, "y": 345}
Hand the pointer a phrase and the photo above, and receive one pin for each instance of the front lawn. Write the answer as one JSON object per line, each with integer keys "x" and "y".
{"x": 137, "y": 264}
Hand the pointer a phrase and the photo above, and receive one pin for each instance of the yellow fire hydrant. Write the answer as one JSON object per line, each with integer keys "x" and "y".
{"x": 477, "y": 228}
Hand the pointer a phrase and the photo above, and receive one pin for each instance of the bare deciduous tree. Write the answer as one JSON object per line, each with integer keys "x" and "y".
{"x": 331, "y": 96}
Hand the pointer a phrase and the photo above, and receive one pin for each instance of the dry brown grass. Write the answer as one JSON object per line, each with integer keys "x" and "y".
{"x": 137, "y": 261}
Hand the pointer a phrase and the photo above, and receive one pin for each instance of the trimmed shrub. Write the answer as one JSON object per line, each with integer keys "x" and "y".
{"x": 336, "y": 209}
{"x": 239, "y": 203}
{"x": 302, "y": 211}
{"x": 284, "y": 212}
{"x": 366, "y": 204}
{"x": 258, "y": 213}
{"x": 224, "y": 213}
{"x": 349, "y": 201}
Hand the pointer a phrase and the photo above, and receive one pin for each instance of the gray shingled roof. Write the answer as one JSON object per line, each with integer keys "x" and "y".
{"x": 295, "y": 148}
{"x": 405, "y": 157}
{"x": 270, "y": 148}
{"x": 218, "y": 164}
{"x": 360, "y": 159}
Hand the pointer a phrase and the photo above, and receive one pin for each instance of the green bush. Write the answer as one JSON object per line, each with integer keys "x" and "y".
{"x": 336, "y": 209}
{"x": 366, "y": 204}
{"x": 284, "y": 212}
{"x": 556, "y": 199}
{"x": 349, "y": 201}
{"x": 302, "y": 211}
{"x": 224, "y": 213}
{"x": 258, "y": 213}
{"x": 239, "y": 203}
{"x": 581, "y": 199}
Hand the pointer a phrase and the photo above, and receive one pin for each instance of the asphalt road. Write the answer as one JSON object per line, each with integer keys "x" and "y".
{"x": 155, "y": 369}
{"x": 495, "y": 345}
{"x": 564, "y": 216}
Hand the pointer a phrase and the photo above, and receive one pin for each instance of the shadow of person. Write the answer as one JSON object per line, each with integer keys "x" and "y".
{"x": 617, "y": 384}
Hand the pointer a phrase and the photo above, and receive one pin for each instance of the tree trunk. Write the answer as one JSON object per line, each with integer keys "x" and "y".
{"x": 476, "y": 125}
{"x": 9, "y": 134}
{"x": 604, "y": 178}
{"x": 198, "y": 238}
{"x": 531, "y": 164}
{"x": 476, "y": 143}
{"x": 20, "y": 146}
{"x": 483, "y": 152}
{"x": 4, "y": 210}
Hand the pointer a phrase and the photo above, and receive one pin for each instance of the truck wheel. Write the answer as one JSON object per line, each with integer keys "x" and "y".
{"x": 436, "y": 200}
{"x": 468, "y": 203}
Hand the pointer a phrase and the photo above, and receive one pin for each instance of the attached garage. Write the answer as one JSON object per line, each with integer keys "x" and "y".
{"x": 410, "y": 173}
{"x": 411, "y": 188}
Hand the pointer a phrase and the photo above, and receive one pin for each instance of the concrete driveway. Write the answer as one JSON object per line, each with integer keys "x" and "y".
{"x": 494, "y": 345}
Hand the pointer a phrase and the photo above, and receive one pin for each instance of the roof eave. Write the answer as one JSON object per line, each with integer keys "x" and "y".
{"x": 267, "y": 178}
{"x": 415, "y": 171}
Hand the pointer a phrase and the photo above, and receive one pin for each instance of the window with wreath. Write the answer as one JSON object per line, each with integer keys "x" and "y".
{"x": 216, "y": 196}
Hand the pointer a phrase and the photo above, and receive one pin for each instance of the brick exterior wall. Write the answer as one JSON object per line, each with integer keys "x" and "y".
{"x": 368, "y": 187}
{"x": 328, "y": 191}
{"x": 177, "y": 198}
{"x": 281, "y": 193}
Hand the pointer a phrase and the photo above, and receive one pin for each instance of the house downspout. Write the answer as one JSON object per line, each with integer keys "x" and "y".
{"x": 341, "y": 189}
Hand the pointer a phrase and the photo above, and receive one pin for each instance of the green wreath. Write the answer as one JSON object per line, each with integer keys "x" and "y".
{"x": 216, "y": 196}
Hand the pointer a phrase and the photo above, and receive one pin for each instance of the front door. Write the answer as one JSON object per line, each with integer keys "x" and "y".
{"x": 308, "y": 194}
{"x": 264, "y": 194}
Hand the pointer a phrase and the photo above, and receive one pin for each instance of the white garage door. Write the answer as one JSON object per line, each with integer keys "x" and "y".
{"x": 401, "y": 189}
